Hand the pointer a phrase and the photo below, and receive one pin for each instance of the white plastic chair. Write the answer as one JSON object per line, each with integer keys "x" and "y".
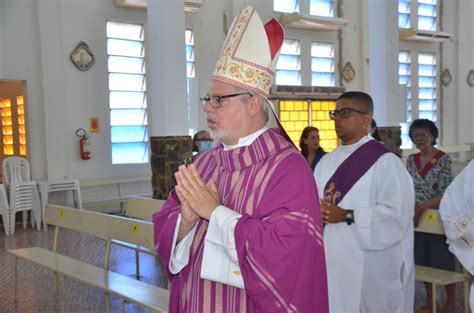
{"x": 47, "y": 187}
{"x": 23, "y": 197}
{"x": 17, "y": 170}
{"x": 4, "y": 209}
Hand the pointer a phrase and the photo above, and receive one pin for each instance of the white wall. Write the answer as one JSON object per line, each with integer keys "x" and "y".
{"x": 37, "y": 37}
{"x": 464, "y": 54}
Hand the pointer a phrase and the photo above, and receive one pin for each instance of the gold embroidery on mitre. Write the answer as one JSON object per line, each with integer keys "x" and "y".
{"x": 243, "y": 72}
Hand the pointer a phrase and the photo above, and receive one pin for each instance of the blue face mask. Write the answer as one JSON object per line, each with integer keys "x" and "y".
{"x": 206, "y": 146}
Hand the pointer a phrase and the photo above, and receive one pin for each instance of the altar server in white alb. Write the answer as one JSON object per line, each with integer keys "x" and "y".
{"x": 457, "y": 212}
{"x": 367, "y": 208}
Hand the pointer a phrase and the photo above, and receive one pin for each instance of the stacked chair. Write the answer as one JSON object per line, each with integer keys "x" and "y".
{"x": 23, "y": 193}
{"x": 4, "y": 209}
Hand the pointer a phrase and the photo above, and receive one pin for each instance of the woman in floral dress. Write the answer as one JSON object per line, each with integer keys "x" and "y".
{"x": 431, "y": 170}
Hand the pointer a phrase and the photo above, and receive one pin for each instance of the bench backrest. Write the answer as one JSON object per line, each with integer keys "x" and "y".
{"x": 86, "y": 182}
{"x": 102, "y": 225}
{"x": 431, "y": 223}
{"x": 143, "y": 208}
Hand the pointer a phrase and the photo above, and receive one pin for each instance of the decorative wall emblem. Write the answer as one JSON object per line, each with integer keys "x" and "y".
{"x": 446, "y": 78}
{"x": 470, "y": 78}
{"x": 348, "y": 72}
{"x": 82, "y": 56}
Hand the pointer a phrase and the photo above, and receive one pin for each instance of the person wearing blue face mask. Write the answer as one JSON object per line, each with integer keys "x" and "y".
{"x": 202, "y": 142}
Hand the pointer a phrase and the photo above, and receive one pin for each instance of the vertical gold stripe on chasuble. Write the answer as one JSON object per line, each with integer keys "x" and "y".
{"x": 207, "y": 297}
{"x": 219, "y": 296}
{"x": 243, "y": 301}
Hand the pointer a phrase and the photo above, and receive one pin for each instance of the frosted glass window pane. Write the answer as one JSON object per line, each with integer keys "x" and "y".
{"x": 427, "y": 105}
{"x": 404, "y": 6}
{"x": 125, "y": 48}
{"x": 126, "y": 65}
{"x": 426, "y": 70}
{"x": 189, "y": 37}
{"x": 288, "y": 62}
{"x": 427, "y": 10}
{"x": 404, "y": 69}
{"x": 190, "y": 69}
{"x": 322, "y": 79}
{"x": 129, "y": 82}
{"x": 127, "y": 100}
{"x": 321, "y": 7}
{"x": 403, "y": 80}
{"x": 431, "y": 115}
{"x": 128, "y": 153}
{"x": 128, "y": 117}
{"x": 129, "y": 134}
{"x": 427, "y": 93}
{"x": 189, "y": 53}
{"x": 427, "y": 58}
{"x": 426, "y": 82}
{"x": 291, "y": 78}
{"x": 427, "y": 1}
{"x": 426, "y": 23}
{"x": 288, "y": 6}
{"x": 404, "y": 57}
{"x": 124, "y": 30}
{"x": 290, "y": 47}
{"x": 319, "y": 49}
{"x": 322, "y": 65}
{"x": 404, "y": 20}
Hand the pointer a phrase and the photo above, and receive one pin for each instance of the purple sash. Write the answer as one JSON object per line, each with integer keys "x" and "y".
{"x": 352, "y": 169}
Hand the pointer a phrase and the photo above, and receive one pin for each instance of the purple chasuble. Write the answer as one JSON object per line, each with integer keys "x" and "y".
{"x": 278, "y": 238}
{"x": 352, "y": 169}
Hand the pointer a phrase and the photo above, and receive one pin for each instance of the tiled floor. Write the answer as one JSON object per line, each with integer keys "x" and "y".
{"x": 36, "y": 287}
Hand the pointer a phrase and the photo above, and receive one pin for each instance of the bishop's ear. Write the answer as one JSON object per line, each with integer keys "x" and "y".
{"x": 255, "y": 105}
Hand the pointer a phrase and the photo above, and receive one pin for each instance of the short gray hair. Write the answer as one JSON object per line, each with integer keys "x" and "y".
{"x": 265, "y": 103}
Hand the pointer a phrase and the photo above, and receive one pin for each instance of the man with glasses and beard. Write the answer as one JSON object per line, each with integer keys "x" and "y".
{"x": 242, "y": 230}
{"x": 367, "y": 208}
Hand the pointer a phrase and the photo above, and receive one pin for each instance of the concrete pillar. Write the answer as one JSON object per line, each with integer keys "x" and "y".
{"x": 381, "y": 60}
{"x": 54, "y": 98}
{"x": 166, "y": 68}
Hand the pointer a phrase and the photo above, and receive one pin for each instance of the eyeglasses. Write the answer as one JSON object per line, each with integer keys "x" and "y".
{"x": 216, "y": 101}
{"x": 344, "y": 113}
{"x": 421, "y": 135}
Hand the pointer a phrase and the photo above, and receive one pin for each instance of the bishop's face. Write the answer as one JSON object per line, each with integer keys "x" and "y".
{"x": 227, "y": 123}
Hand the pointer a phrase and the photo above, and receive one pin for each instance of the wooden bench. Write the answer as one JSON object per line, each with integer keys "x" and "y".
{"x": 117, "y": 185}
{"x": 431, "y": 223}
{"x": 142, "y": 208}
{"x": 104, "y": 226}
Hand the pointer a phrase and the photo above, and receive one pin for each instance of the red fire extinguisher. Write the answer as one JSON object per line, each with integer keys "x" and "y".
{"x": 84, "y": 143}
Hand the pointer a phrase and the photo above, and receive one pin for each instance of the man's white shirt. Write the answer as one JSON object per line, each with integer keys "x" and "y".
{"x": 220, "y": 261}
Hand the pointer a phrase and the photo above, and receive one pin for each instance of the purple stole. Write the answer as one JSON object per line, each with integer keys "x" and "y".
{"x": 352, "y": 169}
